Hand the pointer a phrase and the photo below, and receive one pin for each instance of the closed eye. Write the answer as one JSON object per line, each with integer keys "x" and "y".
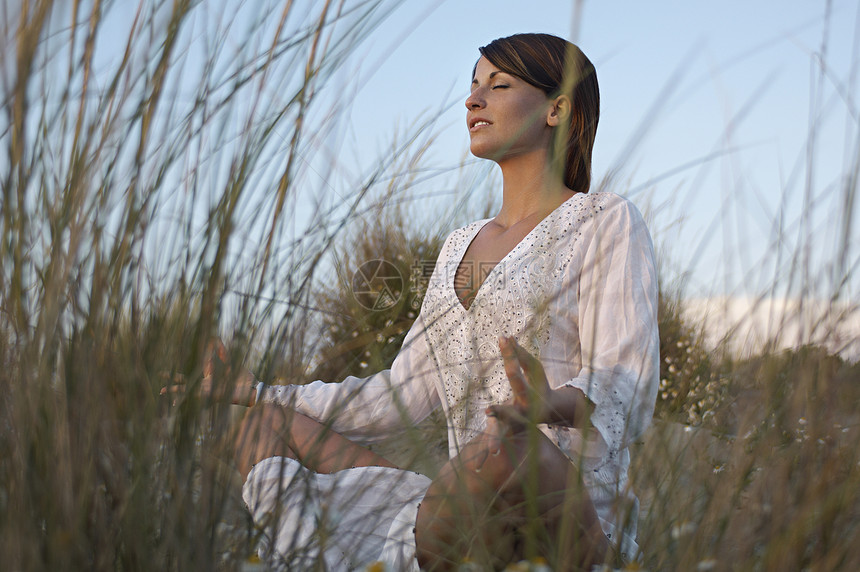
{"x": 501, "y": 86}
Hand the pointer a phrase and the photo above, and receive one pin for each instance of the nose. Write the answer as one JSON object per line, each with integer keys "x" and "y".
{"x": 475, "y": 100}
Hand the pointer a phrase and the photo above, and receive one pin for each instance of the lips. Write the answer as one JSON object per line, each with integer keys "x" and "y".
{"x": 477, "y": 123}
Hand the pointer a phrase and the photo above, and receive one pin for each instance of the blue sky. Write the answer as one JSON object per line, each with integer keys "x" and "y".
{"x": 707, "y": 112}
{"x": 737, "y": 81}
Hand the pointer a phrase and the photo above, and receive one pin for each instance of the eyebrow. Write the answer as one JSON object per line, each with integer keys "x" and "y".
{"x": 492, "y": 75}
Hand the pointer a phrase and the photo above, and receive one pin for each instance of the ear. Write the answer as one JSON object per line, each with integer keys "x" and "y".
{"x": 559, "y": 111}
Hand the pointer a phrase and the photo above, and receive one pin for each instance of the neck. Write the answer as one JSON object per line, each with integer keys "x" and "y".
{"x": 530, "y": 188}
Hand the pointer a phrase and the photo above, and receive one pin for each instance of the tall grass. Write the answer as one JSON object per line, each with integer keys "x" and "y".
{"x": 152, "y": 161}
{"x": 751, "y": 462}
{"x": 155, "y": 169}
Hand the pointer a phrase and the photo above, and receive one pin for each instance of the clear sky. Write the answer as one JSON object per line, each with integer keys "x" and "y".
{"x": 708, "y": 110}
{"x": 739, "y": 81}
{"x": 734, "y": 125}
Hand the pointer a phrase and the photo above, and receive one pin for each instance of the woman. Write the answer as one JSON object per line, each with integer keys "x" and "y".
{"x": 538, "y": 338}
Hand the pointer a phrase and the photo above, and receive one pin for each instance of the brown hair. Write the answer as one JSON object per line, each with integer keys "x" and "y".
{"x": 557, "y": 67}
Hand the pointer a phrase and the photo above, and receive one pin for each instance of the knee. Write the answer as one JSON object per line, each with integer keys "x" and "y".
{"x": 432, "y": 531}
{"x": 450, "y": 531}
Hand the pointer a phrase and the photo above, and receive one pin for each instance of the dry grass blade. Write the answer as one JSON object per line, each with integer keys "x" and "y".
{"x": 125, "y": 177}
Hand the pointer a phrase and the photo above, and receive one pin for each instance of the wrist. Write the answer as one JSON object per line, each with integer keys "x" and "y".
{"x": 569, "y": 406}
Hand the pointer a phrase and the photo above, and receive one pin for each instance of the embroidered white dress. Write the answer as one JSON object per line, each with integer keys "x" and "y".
{"x": 579, "y": 292}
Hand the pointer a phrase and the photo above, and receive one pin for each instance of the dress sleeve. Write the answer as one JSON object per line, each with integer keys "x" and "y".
{"x": 616, "y": 313}
{"x": 369, "y": 409}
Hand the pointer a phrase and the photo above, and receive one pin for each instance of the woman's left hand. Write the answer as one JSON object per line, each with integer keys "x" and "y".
{"x": 534, "y": 401}
{"x": 531, "y": 400}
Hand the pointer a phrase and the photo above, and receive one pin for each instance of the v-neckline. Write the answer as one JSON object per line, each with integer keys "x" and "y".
{"x": 480, "y": 226}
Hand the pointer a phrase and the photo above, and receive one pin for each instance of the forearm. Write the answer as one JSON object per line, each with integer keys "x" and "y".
{"x": 365, "y": 410}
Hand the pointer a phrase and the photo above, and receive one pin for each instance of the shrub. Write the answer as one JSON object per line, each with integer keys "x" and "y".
{"x": 380, "y": 281}
{"x": 691, "y": 386}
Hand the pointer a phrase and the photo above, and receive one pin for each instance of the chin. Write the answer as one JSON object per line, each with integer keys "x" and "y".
{"x": 483, "y": 151}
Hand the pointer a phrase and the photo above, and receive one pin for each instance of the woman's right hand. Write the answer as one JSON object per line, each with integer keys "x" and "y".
{"x": 219, "y": 383}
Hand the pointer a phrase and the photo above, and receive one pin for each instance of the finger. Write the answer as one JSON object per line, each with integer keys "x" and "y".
{"x": 215, "y": 360}
{"x": 509, "y": 417}
{"x": 495, "y": 433}
{"x": 220, "y": 349}
{"x": 513, "y": 370}
{"x": 531, "y": 366}
{"x": 207, "y": 363}
{"x": 174, "y": 382}
{"x": 171, "y": 377}
{"x": 181, "y": 386}
{"x": 174, "y": 392}
{"x": 169, "y": 389}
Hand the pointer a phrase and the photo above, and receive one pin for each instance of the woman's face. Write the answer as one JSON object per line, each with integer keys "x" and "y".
{"x": 505, "y": 115}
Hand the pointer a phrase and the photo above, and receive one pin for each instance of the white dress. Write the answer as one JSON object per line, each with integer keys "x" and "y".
{"x": 579, "y": 292}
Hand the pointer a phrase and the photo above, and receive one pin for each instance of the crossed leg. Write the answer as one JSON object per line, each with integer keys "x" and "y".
{"x": 525, "y": 501}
